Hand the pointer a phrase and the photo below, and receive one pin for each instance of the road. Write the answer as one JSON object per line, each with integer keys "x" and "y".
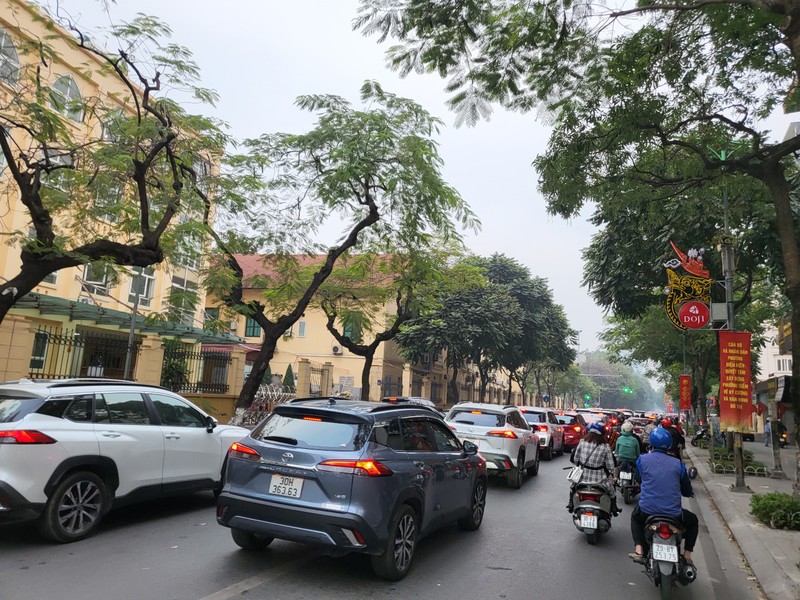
{"x": 526, "y": 548}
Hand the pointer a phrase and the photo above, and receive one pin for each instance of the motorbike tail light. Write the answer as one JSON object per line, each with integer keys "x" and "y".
{"x": 613, "y": 421}
{"x": 238, "y": 450}
{"x": 370, "y": 468}
{"x": 505, "y": 433}
{"x": 25, "y": 436}
{"x": 582, "y": 496}
{"x": 664, "y": 531}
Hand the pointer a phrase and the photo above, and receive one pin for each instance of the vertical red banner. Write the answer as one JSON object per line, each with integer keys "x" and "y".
{"x": 735, "y": 403}
{"x": 686, "y": 392}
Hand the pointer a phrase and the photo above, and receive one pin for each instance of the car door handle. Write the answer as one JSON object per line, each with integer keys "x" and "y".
{"x": 419, "y": 464}
{"x": 172, "y": 436}
{"x": 110, "y": 434}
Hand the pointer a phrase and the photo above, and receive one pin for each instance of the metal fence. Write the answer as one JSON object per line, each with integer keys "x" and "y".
{"x": 187, "y": 371}
{"x": 64, "y": 353}
{"x": 316, "y": 382}
{"x": 436, "y": 392}
{"x": 391, "y": 387}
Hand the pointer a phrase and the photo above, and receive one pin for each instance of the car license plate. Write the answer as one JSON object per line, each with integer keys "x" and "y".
{"x": 665, "y": 552}
{"x": 589, "y": 521}
{"x": 281, "y": 485}
{"x": 625, "y": 475}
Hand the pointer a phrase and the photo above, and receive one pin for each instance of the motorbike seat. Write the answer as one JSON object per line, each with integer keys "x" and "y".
{"x": 676, "y": 522}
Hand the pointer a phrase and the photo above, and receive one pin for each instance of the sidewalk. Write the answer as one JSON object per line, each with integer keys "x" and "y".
{"x": 773, "y": 555}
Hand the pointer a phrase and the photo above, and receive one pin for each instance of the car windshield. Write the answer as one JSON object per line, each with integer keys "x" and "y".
{"x": 312, "y": 431}
{"x": 13, "y": 409}
{"x": 477, "y": 417}
{"x": 567, "y": 419}
{"x": 532, "y": 417}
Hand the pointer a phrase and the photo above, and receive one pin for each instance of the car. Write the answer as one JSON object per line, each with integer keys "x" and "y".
{"x": 551, "y": 435}
{"x": 412, "y": 400}
{"x": 574, "y": 428}
{"x": 351, "y": 476}
{"x": 72, "y": 449}
{"x": 503, "y": 437}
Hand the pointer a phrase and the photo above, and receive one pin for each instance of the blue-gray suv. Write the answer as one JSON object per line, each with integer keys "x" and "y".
{"x": 353, "y": 476}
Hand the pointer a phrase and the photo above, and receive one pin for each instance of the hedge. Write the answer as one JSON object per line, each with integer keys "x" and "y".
{"x": 777, "y": 510}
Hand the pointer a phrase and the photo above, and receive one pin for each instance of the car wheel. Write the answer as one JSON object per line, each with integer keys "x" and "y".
{"x": 534, "y": 470}
{"x": 514, "y": 478}
{"x": 561, "y": 448}
{"x": 394, "y": 563}
{"x": 247, "y": 540}
{"x": 548, "y": 452}
{"x": 75, "y": 509}
{"x": 477, "y": 508}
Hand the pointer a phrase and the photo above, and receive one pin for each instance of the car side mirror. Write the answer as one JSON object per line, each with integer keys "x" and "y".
{"x": 211, "y": 422}
{"x": 692, "y": 472}
{"x": 470, "y": 448}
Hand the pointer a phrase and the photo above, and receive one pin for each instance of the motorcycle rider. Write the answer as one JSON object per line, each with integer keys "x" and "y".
{"x": 664, "y": 479}
{"x": 627, "y": 447}
{"x": 597, "y": 460}
{"x": 678, "y": 441}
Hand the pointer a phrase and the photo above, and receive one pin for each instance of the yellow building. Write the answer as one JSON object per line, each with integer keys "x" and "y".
{"x": 77, "y": 322}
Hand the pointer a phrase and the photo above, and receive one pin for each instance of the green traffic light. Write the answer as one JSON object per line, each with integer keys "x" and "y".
{"x": 587, "y": 396}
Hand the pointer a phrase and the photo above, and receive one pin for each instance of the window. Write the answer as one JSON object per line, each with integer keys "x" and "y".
{"x": 126, "y": 408}
{"x": 9, "y": 59}
{"x": 143, "y": 281}
{"x": 445, "y": 440}
{"x": 301, "y": 329}
{"x": 212, "y": 314}
{"x": 417, "y": 436}
{"x": 39, "y": 352}
{"x": 65, "y": 98}
{"x": 80, "y": 409}
{"x": 183, "y": 300}
{"x": 50, "y": 278}
{"x": 251, "y": 328}
{"x": 784, "y": 364}
{"x": 352, "y": 327}
{"x": 96, "y": 278}
{"x": 202, "y": 169}
{"x": 173, "y": 411}
{"x": 189, "y": 250}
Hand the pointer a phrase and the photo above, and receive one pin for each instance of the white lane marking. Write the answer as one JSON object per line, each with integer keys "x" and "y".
{"x": 253, "y": 582}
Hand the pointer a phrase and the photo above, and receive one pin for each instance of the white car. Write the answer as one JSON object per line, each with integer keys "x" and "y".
{"x": 550, "y": 431}
{"x": 503, "y": 438}
{"x": 72, "y": 449}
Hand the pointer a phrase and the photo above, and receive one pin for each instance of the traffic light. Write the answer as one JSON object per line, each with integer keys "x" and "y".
{"x": 587, "y": 396}
{"x": 627, "y": 390}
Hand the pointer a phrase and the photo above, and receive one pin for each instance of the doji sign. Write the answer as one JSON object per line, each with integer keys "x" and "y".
{"x": 694, "y": 314}
{"x": 735, "y": 404}
{"x": 686, "y": 392}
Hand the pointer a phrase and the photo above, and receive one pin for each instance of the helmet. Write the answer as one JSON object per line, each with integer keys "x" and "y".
{"x": 667, "y": 422}
{"x": 627, "y": 426}
{"x": 595, "y": 428}
{"x": 661, "y": 439}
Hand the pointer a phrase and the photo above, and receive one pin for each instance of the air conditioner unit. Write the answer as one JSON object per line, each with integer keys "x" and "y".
{"x": 337, "y": 349}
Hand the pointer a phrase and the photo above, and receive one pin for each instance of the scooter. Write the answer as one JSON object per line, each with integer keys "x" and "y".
{"x": 783, "y": 439}
{"x": 701, "y": 433}
{"x": 628, "y": 484}
{"x": 591, "y": 511}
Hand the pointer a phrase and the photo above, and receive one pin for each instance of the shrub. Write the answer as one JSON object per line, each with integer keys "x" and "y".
{"x": 778, "y": 510}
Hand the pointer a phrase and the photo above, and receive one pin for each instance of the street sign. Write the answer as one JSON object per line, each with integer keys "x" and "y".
{"x": 694, "y": 314}
{"x": 546, "y": 399}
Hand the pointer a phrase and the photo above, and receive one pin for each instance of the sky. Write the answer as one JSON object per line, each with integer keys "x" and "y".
{"x": 259, "y": 55}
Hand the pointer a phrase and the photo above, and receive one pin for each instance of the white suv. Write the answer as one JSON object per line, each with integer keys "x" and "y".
{"x": 71, "y": 449}
{"x": 503, "y": 438}
{"x": 550, "y": 431}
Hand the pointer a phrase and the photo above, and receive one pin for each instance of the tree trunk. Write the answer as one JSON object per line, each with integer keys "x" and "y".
{"x": 254, "y": 379}
{"x": 452, "y": 388}
{"x": 369, "y": 357}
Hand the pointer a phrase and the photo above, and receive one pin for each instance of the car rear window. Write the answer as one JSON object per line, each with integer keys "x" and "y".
{"x": 478, "y": 417}
{"x": 532, "y": 417}
{"x": 313, "y": 431}
{"x": 15, "y": 408}
{"x": 566, "y": 419}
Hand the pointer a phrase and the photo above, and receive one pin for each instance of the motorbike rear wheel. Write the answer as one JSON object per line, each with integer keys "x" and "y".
{"x": 627, "y": 495}
{"x": 666, "y": 586}
{"x": 591, "y": 538}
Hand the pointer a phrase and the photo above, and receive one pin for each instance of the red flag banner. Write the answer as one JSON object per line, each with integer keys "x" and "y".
{"x": 735, "y": 404}
{"x": 686, "y": 392}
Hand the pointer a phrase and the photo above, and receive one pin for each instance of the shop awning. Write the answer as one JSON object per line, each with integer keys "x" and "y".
{"x": 81, "y": 311}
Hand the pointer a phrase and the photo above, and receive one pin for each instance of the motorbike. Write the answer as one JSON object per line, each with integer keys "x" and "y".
{"x": 701, "y": 433}
{"x": 783, "y": 439}
{"x": 628, "y": 484}
{"x": 664, "y": 564}
{"x": 591, "y": 512}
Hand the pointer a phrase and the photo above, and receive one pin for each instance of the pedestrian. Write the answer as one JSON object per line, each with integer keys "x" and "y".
{"x": 767, "y": 433}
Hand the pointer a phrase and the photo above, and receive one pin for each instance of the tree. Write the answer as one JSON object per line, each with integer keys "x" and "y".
{"x": 672, "y": 98}
{"x": 377, "y": 168}
{"x": 288, "y": 379}
{"x": 103, "y": 178}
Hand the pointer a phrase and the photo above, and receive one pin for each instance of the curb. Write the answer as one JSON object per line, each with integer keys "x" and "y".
{"x": 773, "y": 580}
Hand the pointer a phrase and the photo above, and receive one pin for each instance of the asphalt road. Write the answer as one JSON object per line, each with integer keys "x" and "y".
{"x": 526, "y": 548}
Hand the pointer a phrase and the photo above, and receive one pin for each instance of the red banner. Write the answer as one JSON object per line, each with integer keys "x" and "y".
{"x": 735, "y": 402}
{"x": 686, "y": 392}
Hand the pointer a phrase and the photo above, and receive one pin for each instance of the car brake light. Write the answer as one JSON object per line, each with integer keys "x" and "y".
{"x": 475, "y": 412}
{"x": 577, "y": 428}
{"x": 589, "y": 497}
{"x": 613, "y": 421}
{"x": 238, "y": 450}
{"x": 371, "y": 468}
{"x": 663, "y": 530}
{"x": 25, "y": 436}
{"x": 312, "y": 419}
{"x": 503, "y": 433}
{"x": 542, "y": 428}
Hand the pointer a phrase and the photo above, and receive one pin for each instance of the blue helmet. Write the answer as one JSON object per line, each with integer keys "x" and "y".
{"x": 596, "y": 428}
{"x": 661, "y": 439}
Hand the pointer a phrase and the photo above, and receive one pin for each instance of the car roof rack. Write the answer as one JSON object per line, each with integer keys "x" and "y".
{"x": 59, "y": 383}
{"x": 384, "y": 406}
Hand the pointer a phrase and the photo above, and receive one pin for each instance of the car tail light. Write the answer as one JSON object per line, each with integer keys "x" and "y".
{"x": 542, "y": 428}
{"x": 613, "y": 421}
{"x": 664, "y": 531}
{"x": 590, "y": 497}
{"x": 577, "y": 428}
{"x": 25, "y": 436}
{"x": 370, "y": 468}
{"x": 238, "y": 450}
{"x": 503, "y": 433}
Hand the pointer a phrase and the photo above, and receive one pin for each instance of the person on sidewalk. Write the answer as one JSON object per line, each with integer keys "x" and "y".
{"x": 767, "y": 433}
{"x": 664, "y": 479}
{"x": 627, "y": 447}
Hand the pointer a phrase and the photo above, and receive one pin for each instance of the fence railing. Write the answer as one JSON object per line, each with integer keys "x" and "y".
{"x": 188, "y": 371}
{"x": 64, "y": 353}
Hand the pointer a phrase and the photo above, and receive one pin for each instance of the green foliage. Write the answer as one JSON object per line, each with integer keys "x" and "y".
{"x": 777, "y": 510}
{"x": 288, "y": 379}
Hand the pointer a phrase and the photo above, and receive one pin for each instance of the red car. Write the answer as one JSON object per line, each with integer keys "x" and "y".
{"x": 574, "y": 428}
